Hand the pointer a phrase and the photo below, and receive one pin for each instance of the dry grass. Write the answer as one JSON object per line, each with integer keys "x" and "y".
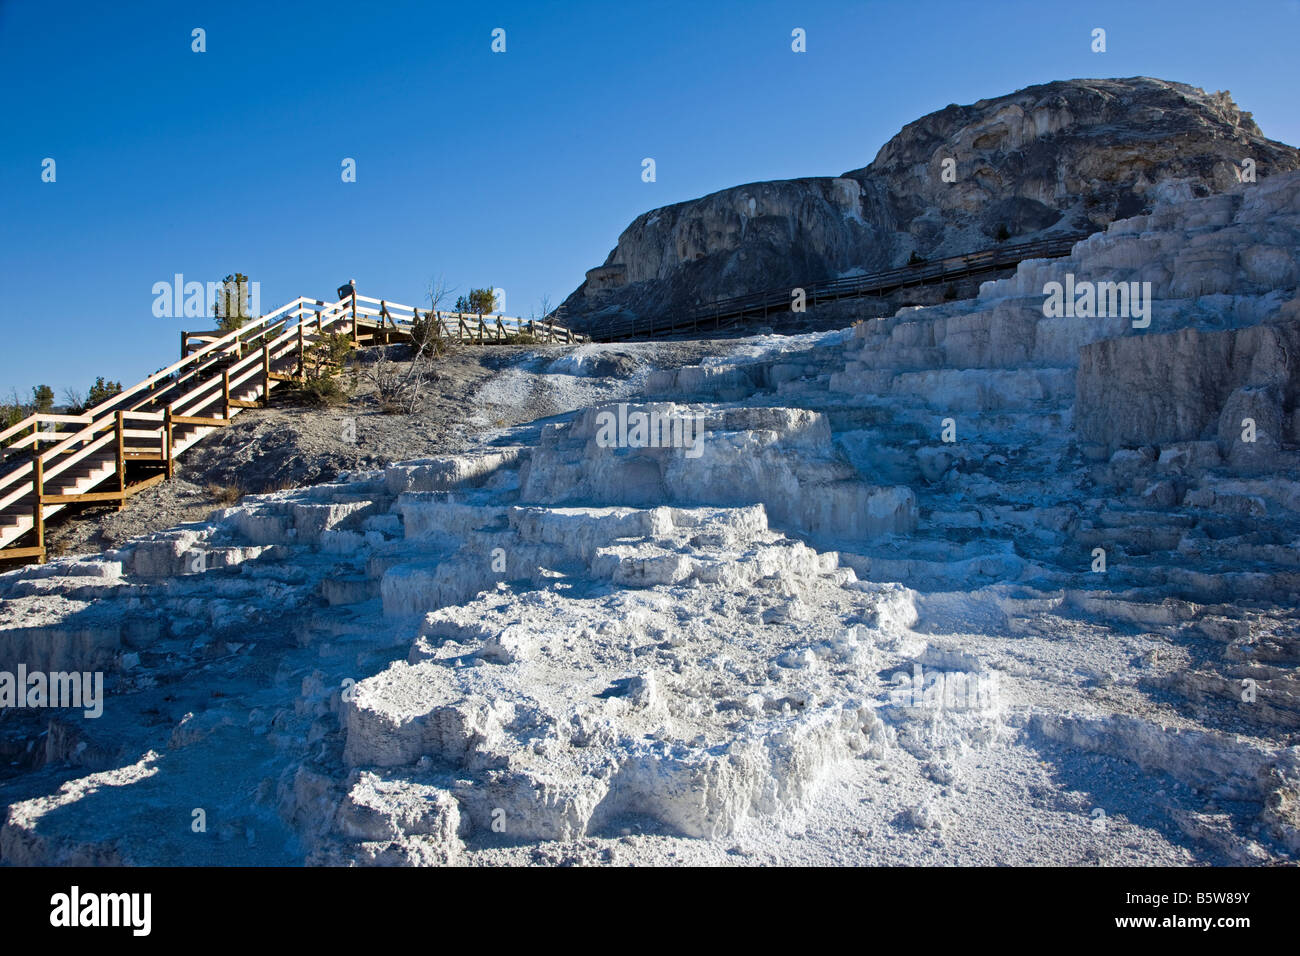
{"x": 284, "y": 484}
{"x": 225, "y": 494}
{"x": 57, "y": 549}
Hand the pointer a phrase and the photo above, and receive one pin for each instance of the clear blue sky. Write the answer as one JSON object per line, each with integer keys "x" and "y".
{"x": 516, "y": 170}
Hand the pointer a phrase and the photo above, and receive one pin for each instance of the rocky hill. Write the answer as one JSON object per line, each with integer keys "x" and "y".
{"x": 970, "y": 584}
{"x": 1058, "y": 157}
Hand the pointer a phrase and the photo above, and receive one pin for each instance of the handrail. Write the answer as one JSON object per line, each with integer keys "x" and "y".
{"x": 778, "y": 300}
{"x": 224, "y": 369}
{"x": 111, "y": 403}
{"x": 175, "y": 366}
{"x": 938, "y": 267}
{"x": 17, "y": 427}
{"x": 92, "y": 416}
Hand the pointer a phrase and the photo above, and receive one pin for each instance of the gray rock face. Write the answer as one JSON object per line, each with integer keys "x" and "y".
{"x": 1213, "y": 359}
{"x": 1190, "y": 384}
{"x": 1057, "y": 157}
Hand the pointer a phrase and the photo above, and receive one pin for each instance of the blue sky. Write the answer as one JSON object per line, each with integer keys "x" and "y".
{"x": 515, "y": 169}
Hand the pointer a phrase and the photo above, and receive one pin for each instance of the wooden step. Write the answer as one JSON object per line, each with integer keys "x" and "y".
{"x": 93, "y": 477}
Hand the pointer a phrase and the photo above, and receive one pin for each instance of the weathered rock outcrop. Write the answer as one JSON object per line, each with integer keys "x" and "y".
{"x": 1192, "y": 385}
{"x": 1225, "y": 344}
{"x": 939, "y": 586}
{"x": 1057, "y": 157}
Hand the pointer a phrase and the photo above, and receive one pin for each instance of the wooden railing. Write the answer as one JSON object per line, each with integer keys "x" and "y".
{"x": 160, "y": 416}
{"x": 770, "y": 302}
{"x": 464, "y": 326}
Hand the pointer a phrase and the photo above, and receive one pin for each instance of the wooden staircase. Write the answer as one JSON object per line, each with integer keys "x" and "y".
{"x": 131, "y": 441}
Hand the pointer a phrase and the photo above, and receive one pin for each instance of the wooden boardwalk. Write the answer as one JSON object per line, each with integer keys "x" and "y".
{"x": 131, "y": 441}
{"x": 726, "y": 313}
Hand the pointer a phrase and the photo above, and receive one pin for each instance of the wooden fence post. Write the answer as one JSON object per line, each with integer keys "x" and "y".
{"x": 266, "y": 376}
{"x": 121, "y": 458}
{"x": 167, "y": 439}
{"x": 355, "y": 339}
{"x": 302, "y": 355}
{"x": 38, "y": 508}
{"x": 225, "y": 393}
{"x": 182, "y": 345}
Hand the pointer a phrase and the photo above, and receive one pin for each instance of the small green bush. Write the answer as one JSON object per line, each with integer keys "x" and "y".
{"x": 322, "y": 361}
{"x": 231, "y": 307}
{"x": 11, "y": 414}
{"x": 324, "y": 392}
{"x": 42, "y": 398}
{"x": 479, "y": 301}
{"x": 101, "y": 392}
{"x": 426, "y": 334}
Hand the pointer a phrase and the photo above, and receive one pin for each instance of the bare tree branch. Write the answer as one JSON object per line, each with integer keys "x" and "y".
{"x": 401, "y": 387}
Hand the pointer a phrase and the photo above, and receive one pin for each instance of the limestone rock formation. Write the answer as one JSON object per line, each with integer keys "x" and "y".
{"x": 1053, "y": 158}
{"x": 938, "y": 587}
